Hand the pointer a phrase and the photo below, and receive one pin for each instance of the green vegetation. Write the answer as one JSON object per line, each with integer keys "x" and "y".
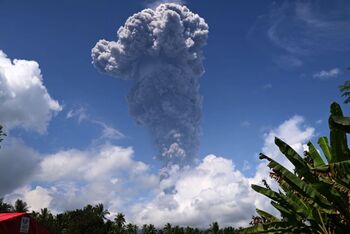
{"x": 20, "y": 206}
{"x": 345, "y": 90}
{"x": 315, "y": 198}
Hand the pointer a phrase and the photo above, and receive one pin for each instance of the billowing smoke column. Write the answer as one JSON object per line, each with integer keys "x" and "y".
{"x": 161, "y": 51}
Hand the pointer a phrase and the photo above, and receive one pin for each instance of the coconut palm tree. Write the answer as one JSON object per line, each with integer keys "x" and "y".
{"x": 149, "y": 229}
{"x": 131, "y": 228}
{"x": 119, "y": 221}
{"x": 5, "y": 207}
{"x": 214, "y": 228}
{"x": 167, "y": 229}
{"x": 101, "y": 211}
{"x": 21, "y": 206}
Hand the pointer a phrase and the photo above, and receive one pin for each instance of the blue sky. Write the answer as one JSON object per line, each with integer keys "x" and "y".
{"x": 266, "y": 63}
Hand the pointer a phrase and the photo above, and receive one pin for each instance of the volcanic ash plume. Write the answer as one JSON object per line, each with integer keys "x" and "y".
{"x": 161, "y": 51}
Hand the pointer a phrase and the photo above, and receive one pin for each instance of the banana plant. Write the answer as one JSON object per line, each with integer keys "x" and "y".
{"x": 315, "y": 198}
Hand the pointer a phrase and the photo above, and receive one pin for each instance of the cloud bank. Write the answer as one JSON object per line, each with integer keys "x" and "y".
{"x": 160, "y": 50}
{"x": 213, "y": 190}
{"x": 24, "y": 103}
{"x": 24, "y": 100}
{"x": 18, "y": 164}
{"x": 72, "y": 178}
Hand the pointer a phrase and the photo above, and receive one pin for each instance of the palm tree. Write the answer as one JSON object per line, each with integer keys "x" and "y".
{"x": 44, "y": 214}
{"x": 189, "y": 230}
{"x": 228, "y": 230}
{"x": 149, "y": 229}
{"x": 145, "y": 229}
{"x": 100, "y": 211}
{"x": 120, "y": 223}
{"x": 178, "y": 230}
{"x": 46, "y": 219}
{"x": 5, "y": 207}
{"x": 131, "y": 228}
{"x": 214, "y": 228}
{"x": 167, "y": 229}
{"x": 21, "y": 206}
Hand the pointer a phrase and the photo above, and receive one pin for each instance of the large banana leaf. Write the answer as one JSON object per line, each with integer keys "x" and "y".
{"x": 338, "y": 141}
{"x": 316, "y": 157}
{"x": 338, "y": 169}
{"x": 287, "y": 214}
{"x": 290, "y": 202}
{"x": 267, "y": 192}
{"x": 332, "y": 194}
{"x": 338, "y": 185}
{"x": 274, "y": 227}
{"x": 299, "y": 185}
{"x": 301, "y": 167}
{"x": 323, "y": 142}
{"x": 340, "y": 122}
{"x": 267, "y": 215}
{"x": 316, "y": 198}
{"x": 300, "y": 206}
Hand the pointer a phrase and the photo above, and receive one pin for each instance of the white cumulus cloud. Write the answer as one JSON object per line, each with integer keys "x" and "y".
{"x": 213, "y": 190}
{"x": 37, "y": 198}
{"x": 73, "y": 178}
{"x": 24, "y": 100}
{"x": 216, "y": 190}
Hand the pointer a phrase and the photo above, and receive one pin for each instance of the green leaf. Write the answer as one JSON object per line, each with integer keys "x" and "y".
{"x": 301, "y": 167}
{"x": 323, "y": 142}
{"x": 267, "y": 192}
{"x": 286, "y": 213}
{"x": 316, "y": 157}
{"x": 299, "y": 185}
{"x": 300, "y": 207}
{"x": 338, "y": 169}
{"x": 267, "y": 215}
{"x": 273, "y": 227}
{"x": 338, "y": 185}
{"x": 338, "y": 141}
{"x": 341, "y": 122}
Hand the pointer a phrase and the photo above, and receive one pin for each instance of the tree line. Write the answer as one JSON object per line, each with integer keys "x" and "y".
{"x": 92, "y": 220}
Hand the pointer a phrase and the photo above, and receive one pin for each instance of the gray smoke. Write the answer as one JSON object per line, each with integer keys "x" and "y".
{"x": 161, "y": 51}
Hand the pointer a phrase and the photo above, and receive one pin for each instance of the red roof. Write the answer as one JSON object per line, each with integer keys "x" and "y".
{"x": 4, "y": 216}
{"x": 18, "y": 223}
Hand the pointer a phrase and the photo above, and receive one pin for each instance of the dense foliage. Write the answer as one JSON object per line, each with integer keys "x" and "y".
{"x": 315, "y": 197}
